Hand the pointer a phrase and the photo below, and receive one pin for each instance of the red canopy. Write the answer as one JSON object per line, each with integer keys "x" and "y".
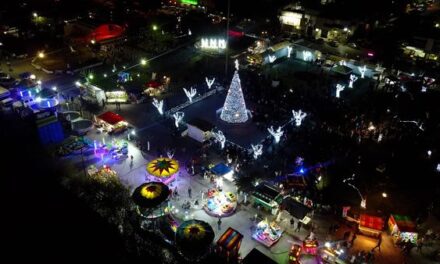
{"x": 111, "y": 118}
{"x": 153, "y": 84}
{"x": 373, "y": 222}
{"x": 106, "y": 31}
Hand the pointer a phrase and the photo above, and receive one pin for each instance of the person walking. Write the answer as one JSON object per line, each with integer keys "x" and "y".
{"x": 219, "y": 223}
{"x": 353, "y": 238}
{"x": 189, "y": 192}
{"x": 298, "y": 226}
{"x": 379, "y": 243}
{"x": 292, "y": 222}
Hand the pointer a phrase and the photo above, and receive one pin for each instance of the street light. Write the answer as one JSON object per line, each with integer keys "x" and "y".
{"x": 41, "y": 54}
{"x": 154, "y": 27}
{"x": 384, "y": 195}
{"x": 143, "y": 62}
{"x": 54, "y": 88}
{"x": 35, "y": 14}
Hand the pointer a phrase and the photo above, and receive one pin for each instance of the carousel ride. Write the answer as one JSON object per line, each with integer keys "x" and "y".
{"x": 267, "y": 233}
{"x": 150, "y": 199}
{"x": 162, "y": 170}
{"x": 220, "y": 204}
{"x": 193, "y": 238}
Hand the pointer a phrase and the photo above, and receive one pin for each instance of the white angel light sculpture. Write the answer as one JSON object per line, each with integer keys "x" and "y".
{"x": 277, "y": 134}
{"x": 257, "y": 150}
{"x": 159, "y": 105}
{"x": 220, "y": 137}
{"x": 339, "y": 89}
{"x": 178, "y": 116}
{"x": 190, "y": 93}
{"x": 209, "y": 82}
{"x": 298, "y": 116}
{"x": 353, "y": 78}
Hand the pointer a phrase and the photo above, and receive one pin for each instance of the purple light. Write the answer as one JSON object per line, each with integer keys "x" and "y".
{"x": 370, "y": 54}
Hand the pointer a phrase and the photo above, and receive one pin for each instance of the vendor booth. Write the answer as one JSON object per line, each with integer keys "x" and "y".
{"x": 370, "y": 225}
{"x": 296, "y": 209}
{"x": 220, "y": 204}
{"x": 163, "y": 170}
{"x": 229, "y": 244}
{"x": 267, "y": 197}
{"x": 310, "y": 245}
{"x": 402, "y": 228}
{"x": 199, "y": 129}
{"x": 267, "y": 233}
{"x": 116, "y": 96}
{"x": 111, "y": 122}
{"x": 221, "y": 170}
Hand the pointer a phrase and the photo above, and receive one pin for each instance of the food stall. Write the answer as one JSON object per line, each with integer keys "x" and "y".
{"x": 267, "y": 233}
{"x": 220, "y": 204}
{"x": 370, "y": 225}
{"x": 297, "y": 209}
{"x": 229, "y": 244}
{"x": 112, "y": 122}
{"x": 402, "y": 228}
{"x": 163, "y": 170}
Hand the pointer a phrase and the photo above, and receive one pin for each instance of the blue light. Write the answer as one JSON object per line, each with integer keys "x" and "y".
{"x": 301, "y": 171}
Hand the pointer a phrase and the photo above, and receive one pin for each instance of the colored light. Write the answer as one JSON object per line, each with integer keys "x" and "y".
{"x": 370, "y": 54}
{"x": 190, "y": 2}
{"x": 143, "y": 62}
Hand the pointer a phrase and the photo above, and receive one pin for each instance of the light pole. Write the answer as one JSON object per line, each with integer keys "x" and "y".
{"x": 227, "y": 39}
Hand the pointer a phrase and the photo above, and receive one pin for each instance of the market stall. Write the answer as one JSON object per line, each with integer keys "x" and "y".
{"x": 153, "y": 88}
{"x": 222, "y": 170}
{"x": 116, "y": 96}
{"x": 370, "y": 225}
{"x": 297, "y": 209}
{"x": 267, "y": 233}
{"x": 111, "y": 122}
{"x": 220, "y": 204}
{"x": 229, "y": 244}
{"x": 267, "y": 197}
{"x": 402, "y": 228}
{"x": 332, "y": 254}
{"x": 164, "y": 170}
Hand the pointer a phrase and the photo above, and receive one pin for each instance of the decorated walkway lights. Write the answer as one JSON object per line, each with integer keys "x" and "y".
{"x": 159, "y": 105}
{"x": 298, "y": 116}
{"x": 362, "y": 70}
{"x": 220, "y": 137}
{"x": 307, "y": 55}
{"x": 178, "y": 116}
{"x": 209, "y": 82}
{"x": 277, "y": 134}
{"x": 289, "y": 51}
{"x": 190, "y": 93}
{"x": 257, "y": 150}
{"x": 353, "y": 78}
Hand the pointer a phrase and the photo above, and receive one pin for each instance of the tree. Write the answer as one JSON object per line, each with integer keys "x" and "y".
{"x": 234, "y": 110}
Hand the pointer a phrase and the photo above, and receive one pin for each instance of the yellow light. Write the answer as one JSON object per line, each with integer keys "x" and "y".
{"x": 35, "y": 14}
{"x": 93, "y": 41}
{"x": 437, "y": 25}
{"x": 154, "y": 27}
{"x": 384, "y": 195}
{"x": 143, "y": 62}
{"x": 41, "y": 55}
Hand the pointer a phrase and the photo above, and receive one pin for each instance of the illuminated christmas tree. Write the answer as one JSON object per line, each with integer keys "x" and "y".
{"x": 234, "y": 110}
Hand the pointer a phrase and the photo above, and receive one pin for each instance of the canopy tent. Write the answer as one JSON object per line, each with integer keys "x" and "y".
{"x": 223, "y": 170}
{"x": 256, "y": 256}
{"x": 152, "y": 84}
{"x": 111, "y": 118}
{"x": 194, "y": 236}
{"x": 295, "y": 208}
{"x": 162, "y": 167}
{"x": 370, "y": 225}
{"x": 150, "y": 194}
{"x": 402, "y": 228}
{"x": 229, "y": 244}
{"x": 105, "y": 32}
{"x": 342, "y": 69}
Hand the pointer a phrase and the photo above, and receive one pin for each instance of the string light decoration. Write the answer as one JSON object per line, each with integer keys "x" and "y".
{"x": 257, "y": 150}
{"x": 220, "y": 137}
{"x": 209, "y": 82}
{"x": 339, "y": 89}
{"x": 353, "y": 78}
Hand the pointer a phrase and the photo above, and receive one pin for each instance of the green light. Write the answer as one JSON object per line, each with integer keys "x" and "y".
{"x": 190, "y": 2}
